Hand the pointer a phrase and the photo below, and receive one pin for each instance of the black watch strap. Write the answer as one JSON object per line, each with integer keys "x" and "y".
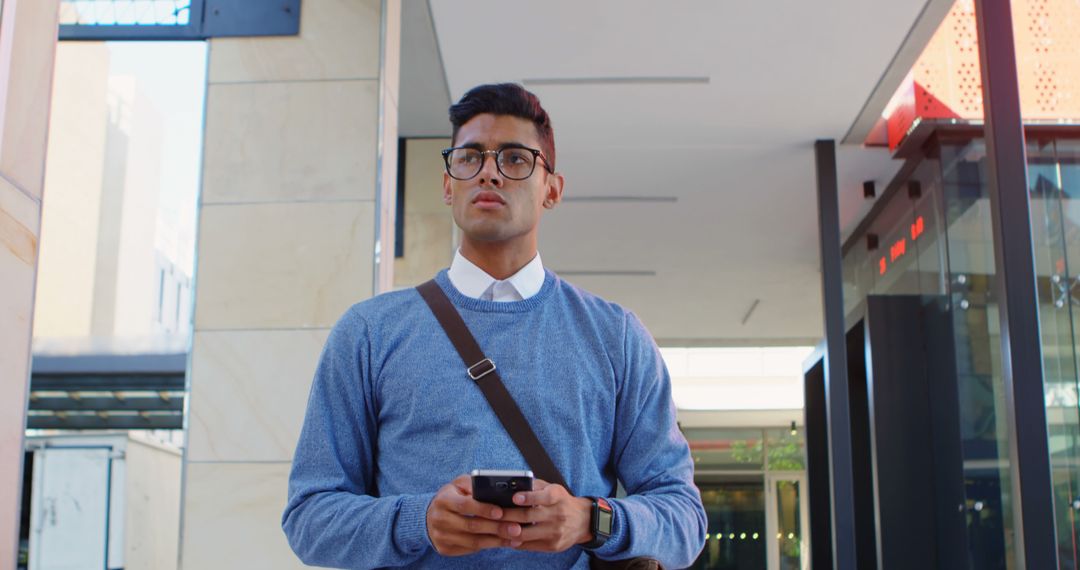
{"x": 601, "y": 521}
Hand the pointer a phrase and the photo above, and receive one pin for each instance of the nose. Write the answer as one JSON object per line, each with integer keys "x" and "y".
{"x": 489, "y": 171}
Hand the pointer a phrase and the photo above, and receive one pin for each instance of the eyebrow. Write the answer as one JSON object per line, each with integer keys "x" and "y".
{"x": 510, "y": 144}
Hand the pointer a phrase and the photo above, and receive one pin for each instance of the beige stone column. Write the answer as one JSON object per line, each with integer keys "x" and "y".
{"x": 298, "y": 158}
{"x": 28, "y": 30}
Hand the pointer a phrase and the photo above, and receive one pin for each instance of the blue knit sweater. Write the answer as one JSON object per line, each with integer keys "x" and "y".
{"x": 392, "y": 416}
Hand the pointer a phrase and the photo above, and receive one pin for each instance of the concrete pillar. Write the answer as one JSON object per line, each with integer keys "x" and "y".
{"x": 28, "y": 30}
{"x": 299, "y": 172}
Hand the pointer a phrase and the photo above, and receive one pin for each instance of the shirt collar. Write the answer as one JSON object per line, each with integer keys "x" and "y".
{"x": 472, "y": 281}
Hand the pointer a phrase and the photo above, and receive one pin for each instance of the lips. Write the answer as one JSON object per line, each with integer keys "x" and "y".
{"x": 488, "y": 198}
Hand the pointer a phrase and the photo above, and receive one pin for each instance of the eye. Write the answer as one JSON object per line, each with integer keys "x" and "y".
{"x": 467, "y": 157}
{"x": 516, "y": 157}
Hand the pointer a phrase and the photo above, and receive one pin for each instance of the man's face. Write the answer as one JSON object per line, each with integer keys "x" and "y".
{"x": 490, "y": 207}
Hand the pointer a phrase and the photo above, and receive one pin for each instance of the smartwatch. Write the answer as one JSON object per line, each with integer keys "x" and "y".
{"x": 601, "y": 520}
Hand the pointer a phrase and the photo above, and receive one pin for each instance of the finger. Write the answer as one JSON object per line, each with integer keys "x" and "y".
{"x": 468, "y": 506}
{"x": 478, "y": 525}
{"x": 535, "y": 534}
{"x": 524, "y": 515}
{"x": 547, "y": 496}
{"x": 463, "y": 483}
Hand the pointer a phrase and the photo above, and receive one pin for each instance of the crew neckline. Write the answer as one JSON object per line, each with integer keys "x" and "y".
{"x": 463, "y": 301}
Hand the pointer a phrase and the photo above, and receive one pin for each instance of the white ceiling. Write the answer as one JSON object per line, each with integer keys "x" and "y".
{"x": 685, "y": 131}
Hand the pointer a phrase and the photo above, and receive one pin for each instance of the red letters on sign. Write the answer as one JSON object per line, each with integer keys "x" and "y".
{"x": 897, "y": 250}
{"x": 917, "y": 228}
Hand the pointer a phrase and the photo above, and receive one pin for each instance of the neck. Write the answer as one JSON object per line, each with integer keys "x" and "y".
{"x": 498, "y": 259}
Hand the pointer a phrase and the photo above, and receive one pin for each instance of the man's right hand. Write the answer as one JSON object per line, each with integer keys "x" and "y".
{"x": 458, "y": 525}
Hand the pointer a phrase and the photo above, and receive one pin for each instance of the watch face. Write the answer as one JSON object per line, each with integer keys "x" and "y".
{"x": 603, "y": 522}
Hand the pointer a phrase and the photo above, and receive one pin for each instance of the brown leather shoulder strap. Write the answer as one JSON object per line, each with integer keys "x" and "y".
{"x": 482, "y": 371}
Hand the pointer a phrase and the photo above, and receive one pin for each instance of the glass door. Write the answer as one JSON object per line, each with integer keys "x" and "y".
{"x": 735, "y": 507}
{"x": 788, "y": 542}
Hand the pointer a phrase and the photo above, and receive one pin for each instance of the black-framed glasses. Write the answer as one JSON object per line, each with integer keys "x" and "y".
{"x": 514, "y": 162}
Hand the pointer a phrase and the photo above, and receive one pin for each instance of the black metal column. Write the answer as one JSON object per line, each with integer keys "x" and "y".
{"x": 1029, "y": 457}
{"x": 836, "y": 376}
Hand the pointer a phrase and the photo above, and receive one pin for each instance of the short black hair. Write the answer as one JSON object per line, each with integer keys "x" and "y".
{"x": 505, "y": 99}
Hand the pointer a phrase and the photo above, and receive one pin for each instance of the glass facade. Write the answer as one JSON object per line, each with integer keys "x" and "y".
{"x": 117, "y": 263}
{"x": 752, "y": 484}
{"x": 125, "y": 12}
{"x": 933, "y": 236}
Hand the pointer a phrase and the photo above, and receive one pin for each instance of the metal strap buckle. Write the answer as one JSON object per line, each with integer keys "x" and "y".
{"x": 485, "y": 366}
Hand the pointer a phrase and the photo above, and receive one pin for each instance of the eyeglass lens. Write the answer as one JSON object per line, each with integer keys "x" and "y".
{"x": 513, "y": 163}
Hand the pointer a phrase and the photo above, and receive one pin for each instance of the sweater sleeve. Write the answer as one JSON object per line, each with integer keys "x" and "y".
{"x": 662, "y": 515}
{"x": 334, "y": 516}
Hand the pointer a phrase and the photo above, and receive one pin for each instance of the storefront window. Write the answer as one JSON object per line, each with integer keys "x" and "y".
{"x": 752, "y": 484}
{"x": 1056, "y": 240}
{"x": 984, "y": 433}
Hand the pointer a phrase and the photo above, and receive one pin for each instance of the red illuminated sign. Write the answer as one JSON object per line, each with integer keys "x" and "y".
{"x": 899, "y": 248}
{"x": 917, "y": 228}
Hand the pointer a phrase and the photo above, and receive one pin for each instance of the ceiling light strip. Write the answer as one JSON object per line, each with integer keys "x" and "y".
{"x": 656, "y": 80}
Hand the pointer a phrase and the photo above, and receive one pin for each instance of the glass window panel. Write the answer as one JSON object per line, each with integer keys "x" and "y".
{"x": 789, "y": 524}
{"x": 926, "y": 232}
{"x": 726, "y": 449}
{"x": 1053, "y": 178}
{"x": 735, "y": 512}
{"x": 978, "y": 359}
{"x": 121, "y": 185}
{"x": 125, "y": 12}
{"x": 785, "y": 449}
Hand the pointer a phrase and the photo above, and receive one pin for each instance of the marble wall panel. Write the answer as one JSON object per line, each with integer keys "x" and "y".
{"x": 19, "y": 224}
{"x": 387, "y": 189}
{"x": 391, "y": 52}
{"x": 339, "y": 39}
{"x": 429, "y": 225}
{"x": 249, "y": 390}
{"x": 424, "y": 168}
{"x": 290, "y": 142}
{"x": 282, "y": 266}
{"x": 428, "y": 248}
{"x": 26, "y": 60}
{"x": 232, "y": 517}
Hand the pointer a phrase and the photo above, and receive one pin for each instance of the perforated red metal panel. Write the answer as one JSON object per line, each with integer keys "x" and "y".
{"x": 945, "y": 82}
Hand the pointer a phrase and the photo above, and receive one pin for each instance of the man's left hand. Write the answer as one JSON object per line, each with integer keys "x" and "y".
{"x": 553, "y": 520}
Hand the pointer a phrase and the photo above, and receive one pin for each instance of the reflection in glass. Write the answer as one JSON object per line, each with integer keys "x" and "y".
{"x": 786, "y": 449}
{"x": 1055, "y": 232}
{"x": 121, "y": 183}
{"x": 789, "y": 527}
{"x": 726, "y": 449}
{"x": 736, "y": 526}
{"x": 978, "y": 361}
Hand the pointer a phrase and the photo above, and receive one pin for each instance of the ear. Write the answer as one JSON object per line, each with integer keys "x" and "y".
{"x": 553, "y": 195}
{"x": 448, "y": 193}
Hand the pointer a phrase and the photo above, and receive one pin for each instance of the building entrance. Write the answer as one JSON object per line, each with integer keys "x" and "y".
{"x": 923, "y": 262}
{"x": 787, "y": 539}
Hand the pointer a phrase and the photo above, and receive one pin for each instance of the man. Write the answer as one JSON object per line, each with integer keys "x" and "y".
{"x": 394, "y": 422}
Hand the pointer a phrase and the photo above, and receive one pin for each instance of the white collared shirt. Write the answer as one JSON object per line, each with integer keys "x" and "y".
{"x": 474, "y": 282}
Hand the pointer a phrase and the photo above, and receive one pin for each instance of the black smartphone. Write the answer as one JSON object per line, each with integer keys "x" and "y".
{"x": 498, "y": 486}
